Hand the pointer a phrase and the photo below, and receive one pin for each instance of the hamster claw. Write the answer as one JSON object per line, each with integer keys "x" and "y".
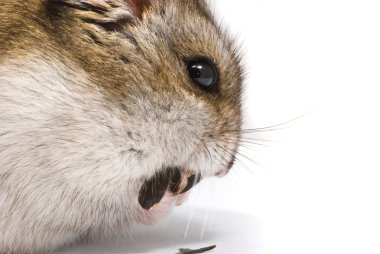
{"x": 191, "y": 182}
{"x": 154, "y": 189}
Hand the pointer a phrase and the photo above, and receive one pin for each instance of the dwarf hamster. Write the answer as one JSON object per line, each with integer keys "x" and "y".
{"x": 110, "y": 110}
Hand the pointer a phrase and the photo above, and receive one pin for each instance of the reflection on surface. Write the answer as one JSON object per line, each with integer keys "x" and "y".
{"x": 187, "y": 228}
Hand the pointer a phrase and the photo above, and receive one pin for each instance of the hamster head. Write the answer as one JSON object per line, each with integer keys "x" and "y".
{"x": 186, "y": 95}
{"x": 132, "y": 97}
{"x": 185, "y": 92}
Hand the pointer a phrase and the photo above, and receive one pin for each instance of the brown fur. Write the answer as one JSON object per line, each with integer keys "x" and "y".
{"x": 133, "y": 54}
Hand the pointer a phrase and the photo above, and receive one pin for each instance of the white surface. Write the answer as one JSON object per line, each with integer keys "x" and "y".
{"x": 187, "y": 228}
{"x": 316, "y": 188}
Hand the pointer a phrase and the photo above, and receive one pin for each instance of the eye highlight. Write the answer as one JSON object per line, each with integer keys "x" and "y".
{"x": 203, "y": 73}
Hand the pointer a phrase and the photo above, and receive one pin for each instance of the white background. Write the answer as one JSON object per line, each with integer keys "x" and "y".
{"x": 314, "y": 187}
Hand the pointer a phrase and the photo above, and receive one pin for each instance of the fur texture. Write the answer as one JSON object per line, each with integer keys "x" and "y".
{"x": 95, "y": 98}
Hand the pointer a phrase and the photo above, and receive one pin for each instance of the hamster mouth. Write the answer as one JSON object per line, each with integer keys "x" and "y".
{"x": 171, "y": 180}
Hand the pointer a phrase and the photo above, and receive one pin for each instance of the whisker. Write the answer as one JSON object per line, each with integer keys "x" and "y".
{"x": 252, "y": 143}
{"x": 245, "y": 144}
{"x": 241, "y": 154}
{"x": 208, "y": 154}
{"x": 255, "y": 139}
{"x": 271, "y": 127}
{"x": 241, "y": 142}
{"x": 249, "y": 170}
{"x": 222, "y": 160}
{"x": 204, "y": 225}
{"x": 188, "y": 225}
{"x": 249, "y": 147}
{"x": 237, "y": 159}
{"x": 251, "y": 160}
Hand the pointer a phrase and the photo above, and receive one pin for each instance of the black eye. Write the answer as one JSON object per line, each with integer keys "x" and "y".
{"x": 203, "y": 73}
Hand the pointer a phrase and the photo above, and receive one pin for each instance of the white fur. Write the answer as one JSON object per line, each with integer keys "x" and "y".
{"x": 66, "y": 168}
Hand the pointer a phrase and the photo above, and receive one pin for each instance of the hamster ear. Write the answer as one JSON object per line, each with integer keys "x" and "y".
{"x": 102, "y": 11}
{"x": 137, "y": 7}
